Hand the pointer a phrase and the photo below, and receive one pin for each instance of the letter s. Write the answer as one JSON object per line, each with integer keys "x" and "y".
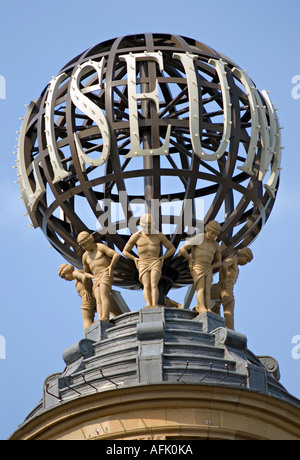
{"x": 94, "y": 112}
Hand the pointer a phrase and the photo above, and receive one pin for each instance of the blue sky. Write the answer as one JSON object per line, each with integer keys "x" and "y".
{"x": 40, "y": 313}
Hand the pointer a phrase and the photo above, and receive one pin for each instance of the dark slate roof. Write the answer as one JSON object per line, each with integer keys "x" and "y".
{"x": 158, "y": 345}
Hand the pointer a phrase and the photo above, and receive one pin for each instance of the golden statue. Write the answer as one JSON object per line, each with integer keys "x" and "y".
{"x": 84, "y": 287}
{"x": 98, "y": 263}
{"x": 204, "y": 250}
{"x": 223, "y": 290}
{"x": 148, "y": 242}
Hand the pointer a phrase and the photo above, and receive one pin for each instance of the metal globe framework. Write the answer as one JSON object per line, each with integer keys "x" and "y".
{"x": 142, "y": 122}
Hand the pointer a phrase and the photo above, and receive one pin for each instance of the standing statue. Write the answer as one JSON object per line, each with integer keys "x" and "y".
{"x": 148, "y": 242}
{"x": 84, "y": 287}
{"x": 98, "y": 263}
{"x": 204, "y": 249}
{"x": 223, "y": 290}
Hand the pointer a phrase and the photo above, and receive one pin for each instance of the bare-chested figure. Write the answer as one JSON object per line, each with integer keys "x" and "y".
{"x": 84, "y": 288}
{"x": 223, "y": 290}
{"x": 148, "y": 242}
{"x": 203, "y": 249}
{"x": 98, "y": 263}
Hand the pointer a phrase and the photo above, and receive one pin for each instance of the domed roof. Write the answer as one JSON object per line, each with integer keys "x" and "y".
{"x": 161, "y": 345}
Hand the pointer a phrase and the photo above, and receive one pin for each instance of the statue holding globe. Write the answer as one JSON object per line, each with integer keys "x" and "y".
{"x": 201, "y": 251}
{"x": 148, "y": 242}
{"x": 98, "y": 262}
{"x": 222, "y": 291}
{"x": 84, "y": 287}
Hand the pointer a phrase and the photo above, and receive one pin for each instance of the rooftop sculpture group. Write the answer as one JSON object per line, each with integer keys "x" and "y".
{"x": 94, "y": 282}
{"x": 151, "y": 118}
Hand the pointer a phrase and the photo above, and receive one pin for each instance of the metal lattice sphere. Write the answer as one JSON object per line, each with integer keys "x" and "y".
{"x": 150, "y": 121}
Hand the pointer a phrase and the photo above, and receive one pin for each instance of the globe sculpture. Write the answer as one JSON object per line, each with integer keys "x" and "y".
{"x": 152, "y": 123}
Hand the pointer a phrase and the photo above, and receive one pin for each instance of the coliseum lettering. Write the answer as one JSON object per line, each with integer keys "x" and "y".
{"x": 265, "y": 129}
{"x": 187, "y": 61}
{"x": 30, "y": 195}
{"x": 88, "y": 107}
{"x": 59, "y": 171}
{"x": 133, "y": 97}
